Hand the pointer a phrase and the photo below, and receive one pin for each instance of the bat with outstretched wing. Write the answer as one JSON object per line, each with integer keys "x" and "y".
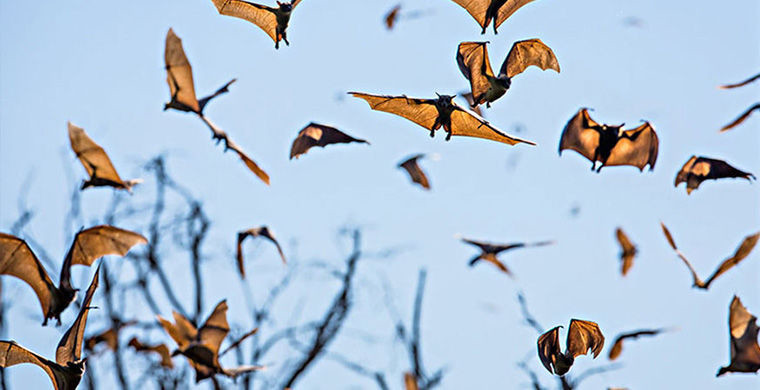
{"x": 472, "y": 58}
{"x": 698, "y": 169}
{"x": 315, "y": 134}
{"x": 741, "y": 83}
{"x": 261, "y": 231}
{"x": 581, "y": 337}
{"x": 741, "y": 118}
{"x": 108, "y": 337}
{"x": 610, "y": 145}
{"x": 159, "y": 349}
{"x": 745, "y": 352}
{"x": 627, "y": 251}
{"x": 490, "y": 251}
{"x": 617, "y": 346}
{"x": 486, "y": 12}
{"x": 96, "y": 162}
{"x": 273, "y": 20}
{"x": 415, "y": 172}
{"x": 433, "y": 114}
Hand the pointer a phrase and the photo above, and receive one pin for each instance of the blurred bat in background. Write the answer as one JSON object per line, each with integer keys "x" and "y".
{"x": 160, "y": 349}
{"x": 274, "y": 21}
{"x": 415, "y": 172}
{"x": 698, "y": 169}
{"x": 261, "y": 231}
{"x": 741, "y": 118}
{"x": 617, "y": 346}
{"x": 742, "y": 83}
{"x": 745, "y": 352}
{"x": 487, "y": 11}
{"x": 627, "y": 251}
{"x": 489, "y": 252}
{"x": 395, "y": 14}
{"x": 581, "y": 337}
{"x": 315, "y": 134}
{"x": 96, "y": 162}
{"x": 109, "y": 337}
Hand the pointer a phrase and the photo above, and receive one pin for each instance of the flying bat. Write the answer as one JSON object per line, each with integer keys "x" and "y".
{"x": 392, "y": 17}
{"x": 108, "y": 337}
{"x": 67, "y": 369}
{"x": 179, "y": 76}
{"x": 489, "y": 252}
{"x": 17, "y": 259}
{"x": 472, "y": 58}
{"x": 261, "y": 231}
{"x": 274, "y": 21}
{"x": 610, "y": 145}
{"x": 698, "y": 169}
{"x": 96, "y": 162}
{"x": 741, "y": 118}
{"x": 627, "y": 251}
{"x": 582, "y": 337}
{"x": 741, "y": 83}
{"x": 467, "y": 96}
{"x": 160, "y": 349}
{"x": 745, "y": 352}
{"x": 617, "y": 346}
{"x": 433, "y": 114}
{"x": 315, "y": 134}
{"x": 744, "y": 249}
{"x": 410, "y": 381}
{"x": 487, "y": 11}
{"x": 415, "y": 172}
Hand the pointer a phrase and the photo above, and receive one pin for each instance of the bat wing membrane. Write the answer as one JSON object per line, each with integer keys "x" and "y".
{"x": 637, "y": 147}
{"x": 526, "y": 53}
{"x": 179, "y": 73}
{"x": 468, "y": 124}
{"x": 92, "y": 156}
{"x": 17, "y": 259}
{"x": 472, "y": 58}
{"x": 419, "y": 111}
{"x": 262, "y": 16}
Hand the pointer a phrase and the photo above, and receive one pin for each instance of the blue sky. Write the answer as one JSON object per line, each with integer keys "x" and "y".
{"x": 100, "y": 65}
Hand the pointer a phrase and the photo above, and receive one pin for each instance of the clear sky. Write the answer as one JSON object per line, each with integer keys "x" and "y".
{"x": 100, "y": 65}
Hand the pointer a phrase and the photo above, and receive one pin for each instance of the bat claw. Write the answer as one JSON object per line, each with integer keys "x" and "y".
{"x": 448, "y": 136}
{"x": 432, "y": 133}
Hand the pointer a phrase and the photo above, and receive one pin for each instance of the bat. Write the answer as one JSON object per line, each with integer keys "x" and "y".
{"x": 467, "y": 96}
{"x": 410, "y": 381}
{"x": 179, "y": 76}
{"x": 627, "y": 251}
{"x": 472, "y": 58}
{"x": 698, "y": 169}
{"x": 741, "y": 83}
{"x": 487, "y": 11}
{"x": 315, "y": 134}
{"x": 160, "y": 349}
{"x": 610, "y": 145}
{"x": 274, "y": 21}
{"x": 415, "y": 172}
{"x": 17, "y": 259}
{"x": 391, "y": 16}
{"x": 96, "y": 162}
{"x": 109, "y": 337}
{"x": 261, "y": 231}
{"x": 741, "y": 118}
{"x": 582, "y": 337}
{"x": 744, "y": 249}
{"x": 617, "y": 346}
{"x": 67, "y": 369}
{"x": 489, "y": 252}
{"x": 433, "y": 114}
{"x": 745, "y": 352}
{"x": 201, "y": 346}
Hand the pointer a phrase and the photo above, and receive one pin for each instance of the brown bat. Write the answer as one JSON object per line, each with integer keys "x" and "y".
{"x": 109, "y": 337}
{"x": 489, "y": 252}
{"x": 582, "y": 337}
{"x": 415, "y": 172}
{"x": 610, "y": 145}
{"x": 160, "y": 349}
{"x": 96, "y": 162}
{"x": 698, "y": 169}
{"x": 274, "y": 21}
{"x": 410, "y": 382}
{"x": 179, "y": 76}
{"x": 617, "y": 346}
{"x": 17, "y": 259}
{"x": 627, "y": 251}
{"x": 744, "y": 249}
{"x": 67, "y": 369}
{"x": 433, "y": 114}
{"x": 315, "y": 134}
{"x": 742, "y": 83}
{"x": 201, "y": 346}
{"x": 391, "y": 16}
{"x": 487, "y": 11}
{"x": 741, "y": 118}
{"x": 472, "y": 58}
{"x": 261, "y": 231}
{"x": 745, "y": 352}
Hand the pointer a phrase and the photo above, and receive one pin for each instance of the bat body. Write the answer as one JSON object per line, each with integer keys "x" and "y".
{"x": 617, "y": 346}
{"x": 745, "y": 352}
{"x": 741, "y": 118}
{"x": 96, "y": 162}
{"x": 744, "y": 249}
{"x": 610, "y": 145}
{"x": 315, "y": 134}
{"x": 486, "y": 12}
{"x": 273, "y": 20}
{"x": 261, "y": 231}
{"x": 473, "y": 61}
{"x": 581, "y": 337}
{"x": 415, "y": 172}
{"x": 627, "y": 251}
{"x": 489, "y": 252}
{"x": 698, "y": 169}
{"x": 159, "y": 349}
{"x": 433, "y": 114}
{"x": 17, "y": 259}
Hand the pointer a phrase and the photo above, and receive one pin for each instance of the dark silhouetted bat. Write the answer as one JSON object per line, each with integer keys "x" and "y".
{"x": 160, "y": 349}
{"x": 391, "y": 16}
{"x": 108, "y": 337}
{"x": 472, "y": 58}
{"x": 274, "y": 21}
{"x": 698, "y": 169}
{"x": 610, "y": 145}
{"x": 488, "y": 11}
{"x": 201, "y": 346}
{"x": 96, "y": 162}
{"x": 627, "y": 251}
{"x": 617, "y": 346}
{"x": 433, "y": 114}
{"x": 415, "y": 172}
{"x": 741, "y": 118}
{"x": 489, "y": 252}
{"x": 261, "y": 231}
{"x": 17, "y": 259}
{"x": 744, "y": 249}
{"x": 179, "y": 76}
{"x": 67, "y": 369}
{"x": 315, "y": 134}
{"x": 742, "y": 83}
{"x": 745, "y": 352}
{"x": 582, "y": 337}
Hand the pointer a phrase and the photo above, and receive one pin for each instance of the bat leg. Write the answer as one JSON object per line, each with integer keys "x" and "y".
{"x": 432, "y": 133}
{"x": 484, "y": 31}
{"x": 448, "y": 135}
{"x": 494, "y": 28}
{"x": 277, "y": 44}
{"x": 285, "y": 38}
{"x": 593, "y": 165}
{"x": 488, "y": 104}
{"x": 600, "y": 168}
{"x": 44, "y": 322}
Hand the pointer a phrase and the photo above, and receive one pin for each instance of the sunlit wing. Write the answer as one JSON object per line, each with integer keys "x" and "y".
{"x": 530, "y": 52}
{"x": 419, "y": 111}
{"x": 583, "y": 336}
{"x": 506, "y": 10}
{"x": 741, "y": 118}
{"x": 12, "y": 354}
{"x": 213, "y": 332}
{"x": 315, "y": 134}
{"x": 17, "y": 259}
{"x": 252, "y": 166}
{"x": 260, "y": 15}
{"x": 744, "y": 249}
{"x": 637, "y": 147}
{"x": 579, "y": 136}
{"x": 98, "y": 241}
{"x": 468, "y": 124}
{"x": 92, "y": 156}
{"x": 472, "y": 58}
{"x": 476, "y": 8}
{"x": 179, "y": 73}
{"x": 70, "y": 348}
{"x": 415, "y": 172}
{"x": 548, "y": 348}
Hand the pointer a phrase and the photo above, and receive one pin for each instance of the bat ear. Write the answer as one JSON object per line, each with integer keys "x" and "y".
{"x": 437, "y": 94}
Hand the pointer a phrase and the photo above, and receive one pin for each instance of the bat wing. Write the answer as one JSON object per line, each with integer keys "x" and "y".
{"x": 506, "y": 10}
{"x": 262, "y": 16}
{"x": 415, "y": 172}
{"x": 698, "y": 169}
{"x": 526, "y": 53}
{"x": 669, "y": 237}
{"x": 391, "y": 16}
{"x": 472, "y": 58}
{"x": 93, "y": 157}
{"x": 741, "y": 118}
{"x": 579, "y": 135}
{"x": 740, "y": 320}
{"x": 17, "y": 259}
{"x": 161, "y": 349}
{"x": 419, "y": 111}
{"x": 476, "y": 8}
{"x": 224, "y": 89}
{"x": 70, "y": 348}
{"x": 315, "y": 134}
{"x": 240, "y": 370}
{"x": 637, "y": 147}
{"x": 468, "y": 124}
{"x": 584, "y": 336}
{"x": 12, "y": 354}
{"x": 108, "y": 337}
{"x": 210, "y": 337}
{"x": 410, "y": 381}
{"x": 742, "y": 83}
{"x": 744, "y": 249}
{"x": 181, "y": 335}
{"x": 549, "y": 348}
{"x": 628, "y": 250}
{"x": 261, "y": 231}
{"x": 252, "y": 166}
{"x": 617, "y": 346}
{"x": 179, "y": 73}
{"x": 745, "y": 350}
{"x": 471, "y": 102}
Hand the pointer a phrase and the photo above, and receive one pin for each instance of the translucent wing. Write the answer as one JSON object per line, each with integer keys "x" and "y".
{"x": 179, "y": 73}
{"x": 578, "y": 135}
{"x": 506, "y": 10}
{"x": 468, "y": 124}
{"x": 526, "y": 53}
{"x": 637, "y": 147}
{"x": 70, "y": 348}
{"x": 419, "y": 111}
{"x": 17, "y": 259}
{"x": 415, "y": 172}
{"x": 472, "y": 58}
{"x": 584, "y": 336}
{"x": 260, "y": 15}
{"x": 476, "y": 8}
{"x": 744, "y": 249}
{"x": 92, "y": 156}
{"x": 549, "y": 348}
{"x": 315, "y": 134}
{"x": 12, "y": 354}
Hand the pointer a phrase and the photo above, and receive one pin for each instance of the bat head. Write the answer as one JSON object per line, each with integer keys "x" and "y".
{"x": 504, "y": 81}
{"x": 287, "y": 7}
{"x": 444, "y": 100}
{"x": 77, "y": 367}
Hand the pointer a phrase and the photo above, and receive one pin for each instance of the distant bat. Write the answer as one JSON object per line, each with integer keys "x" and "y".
{"x": 160, "y": 349}
{"x": 488, "y": 11}
{"x": 96, "y": 162}
{"x": 627, "y": 251}
{"x": 391, "y": 16}
{"x": 315, "y": 134}
{"x": 741, "y": 118}
{"x": 582, "y": 337}
{"x": 745, "y": 352}
{"x": 617, "y": 346}
{"x": 410, "y": 381}
{"x": 610, "y": 145}
{"x": 489, "y": 252}
{"x": 698, "y": 169}
{"x": 17, "y": 259}
{"x": 415, "y": 172}
{"x": 68, "y": 368}
{"x": 274, "y": 21}
{"x": 433, "y": 114}
{"x": 179, "y": 76}
{"x": 472, "y": 58}
{"x": 261, "y": 231}
{"x": 742, "y": 83}
{"x": 108, "y": 337}
{"x": 744, "y": 249}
